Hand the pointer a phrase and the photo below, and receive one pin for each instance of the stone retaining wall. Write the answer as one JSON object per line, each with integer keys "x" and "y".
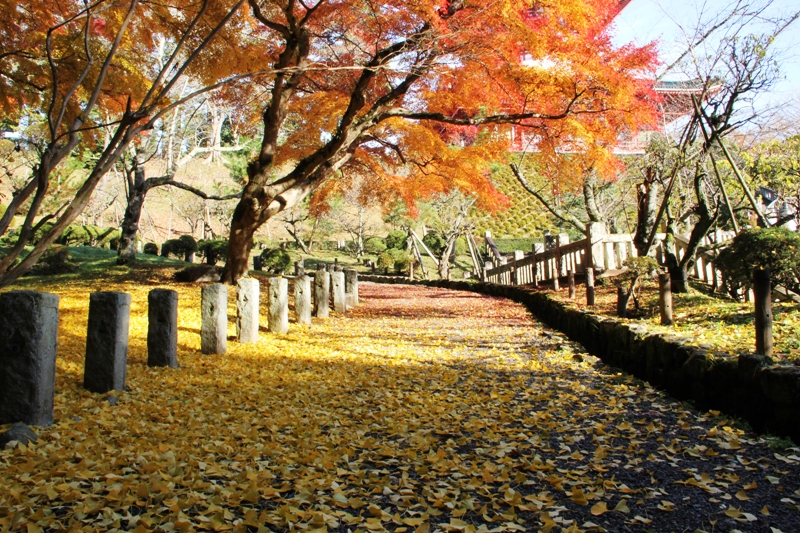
{"x": 748, "y": 386}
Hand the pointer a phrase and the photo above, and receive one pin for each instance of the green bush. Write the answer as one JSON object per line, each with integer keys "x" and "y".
{"x": 180, "y": 247}
{"x": 276, "y": 260}
{"x": 90, "y": 236}
{"x": 385, "y": 261}
{"x": 400, "y": 259}
{"x": 213, "y": 250}
{"x": 39, "y": 233}
{"x": 461, "y": 246}
{"x": 56, "y": 260}
{"x": 151, "y": 248}
{"x": 374, "y": 246}
{"x": 508, "y": 246}
{"x": 777, "y": 249}
{"x": 188, "y": 243}
{"x": 434, "y": 241}
{"x": 396, "y": 239}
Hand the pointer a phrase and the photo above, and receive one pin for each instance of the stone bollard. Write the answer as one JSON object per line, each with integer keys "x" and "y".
{"x": 338, "y": 290}
{"x": 278, "y": 305}
{"x": 351, "y": 285}
{"x": 107, "y": 341}
{"x": 299, "y": 268}
{"x": 322, "y": 291}
{"x": 214, "y": 319}
{"x": 247, "y": 310}
{"x": 162, "y": 328}
{"x": 302, "y": 299}
{"x": 28, "y": 339}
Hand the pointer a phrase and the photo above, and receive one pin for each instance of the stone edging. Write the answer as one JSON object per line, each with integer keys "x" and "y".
{"x": 748, "y": 386}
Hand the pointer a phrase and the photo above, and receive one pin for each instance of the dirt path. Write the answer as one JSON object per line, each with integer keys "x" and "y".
{"x": 421, "y": 410}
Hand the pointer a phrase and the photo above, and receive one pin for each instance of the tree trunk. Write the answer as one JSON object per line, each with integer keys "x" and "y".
{"x": 592, "y": 211}
{"x": 137, "y": 191}
{"x": 240, "y": 243}
{"x": 130, "y": 226}
{"x": 444, "y": 261}
{"x": 647, "y": 203}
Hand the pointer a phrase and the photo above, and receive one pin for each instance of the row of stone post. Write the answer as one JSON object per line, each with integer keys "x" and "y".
{"x": 29, "y": 333}
{"x": 28, "y": 342}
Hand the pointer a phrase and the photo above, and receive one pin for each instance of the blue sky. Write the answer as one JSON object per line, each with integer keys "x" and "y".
{"x": 643, "y": 21}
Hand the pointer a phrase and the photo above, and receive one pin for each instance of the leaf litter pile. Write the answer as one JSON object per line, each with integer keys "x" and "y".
{"x": 422, "y": 410}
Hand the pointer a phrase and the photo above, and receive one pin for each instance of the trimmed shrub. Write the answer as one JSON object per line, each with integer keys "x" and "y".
{"x": 180, "y": 247}
{"x": 90, "y": 236}
{"x": 188, "y": 243}
{"x": 434, "y": 241}
{"x": 396, "y": 240}
{"x": 777, "y": 249}
{"x": 400, "y": 259}
{"x": 385, "y": 261}
{"x": 150, "y": 248}
{"x": 276, "y": 260}
{"x": 374, "y": 246}
{"x": 213, "y": 250}
{"x": 56, "y": 260}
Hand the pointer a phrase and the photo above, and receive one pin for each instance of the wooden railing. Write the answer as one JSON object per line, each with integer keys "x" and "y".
{"x": 610, "y": 253}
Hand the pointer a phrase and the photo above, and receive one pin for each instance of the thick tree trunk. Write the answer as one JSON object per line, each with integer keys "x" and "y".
{"x": 130, "y": 226}
{"x": 240, "y": 243}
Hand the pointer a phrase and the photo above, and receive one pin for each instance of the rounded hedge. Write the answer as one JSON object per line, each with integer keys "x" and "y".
{"x": 150, "y": 248}
{"x": 374, "y": 246}
{"x": 434, "y": 241}
{"x": 777, "y": 249}
{"x": 396, "y": 239}
{"x": 276, "y": 260}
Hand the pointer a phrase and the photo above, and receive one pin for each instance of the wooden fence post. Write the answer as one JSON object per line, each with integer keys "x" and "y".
{"x": 665, "y": 298}
{"x": 589, "y": 285}
{"x": 763, "y": 304}
{"x": 571, "y": 281}
{"x": 622, "y": 302}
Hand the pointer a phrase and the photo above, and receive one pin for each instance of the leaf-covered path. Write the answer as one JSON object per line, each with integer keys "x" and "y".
{"x": 422, "y": 410}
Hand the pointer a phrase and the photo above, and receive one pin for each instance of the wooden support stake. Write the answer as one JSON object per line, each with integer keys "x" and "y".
{"x": 763, "y": 304}
{"x": 665, "y": 298}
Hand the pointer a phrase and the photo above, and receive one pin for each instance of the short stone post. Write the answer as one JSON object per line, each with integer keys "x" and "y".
{"x": 339, "y": 294}
{"x": 28, "y": 339}
{"x": 162, "y": 328}
{"x": 302, "y": 299}
{"x": 299, "y": 268}
{"x": 665, "y": 298}
{"x": 322, "y": 294}
{"x": 107, "y": 341}
{"x": 258, "y": 263}
{"x": 762, "y": 288}
{"x": 351, "y": 285}
{"x": 589, "y": 286}
{"x": 571, "y": 282}
{"x": 214, "y": 319}
{"x": 188, "y": 257}
{"x": 247, "y": 310}
{"x": 278, "y": 305}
